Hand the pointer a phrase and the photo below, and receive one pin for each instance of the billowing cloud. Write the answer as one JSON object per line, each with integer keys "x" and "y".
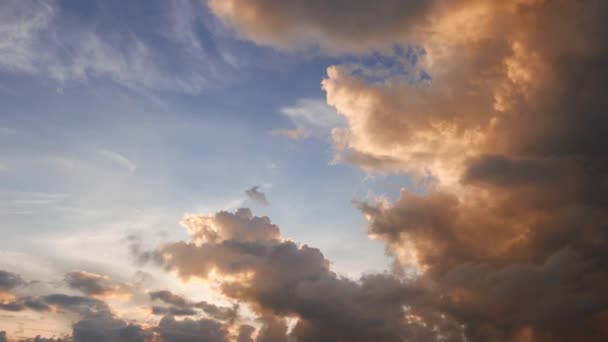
{"x": 508, "y": 126}
{"x": 503, "y": 107}
{"x": 279, "y": 279}
{"x": 256, "y": 195}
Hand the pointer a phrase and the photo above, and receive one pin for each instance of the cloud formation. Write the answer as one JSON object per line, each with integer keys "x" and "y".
{"x": 256, "y": 195}
{"x": 279, "y": 279}
{"x": 40, "y": 38}
{"x": 310, "y": 118}
{"x": 333, "y": 25}
{"x": 9, "y": 281}
{"x": 94, "y": 285}
{"x": 504, "y": 110}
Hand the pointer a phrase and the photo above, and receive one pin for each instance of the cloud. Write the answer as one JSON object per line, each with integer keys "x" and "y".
{"x": 503, "y": 128}
{"x": 245, "y": 334}
{"x": 179, "y": 306}
{"x": 94, "y": 285}
{"x": 20, "y": 304}
{"x": 279, "y": 279}
{"x": 502, "y": 107}
{"x": 106, "y": 328}
{"x": 192, "y": 330}
{"x": 310, "y": 117}
{"x": 119, "y": 159}
{"x": 256, "y": 195}
{"x": 9, "y": 281}
{"x": 41, "y": 39}
{"x": 333, "y": 25}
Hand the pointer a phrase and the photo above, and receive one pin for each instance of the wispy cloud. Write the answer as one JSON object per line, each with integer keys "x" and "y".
{"x": 309, "y": 117}
{"x": 119, "y": 159}
{"x": 36, "y": 40}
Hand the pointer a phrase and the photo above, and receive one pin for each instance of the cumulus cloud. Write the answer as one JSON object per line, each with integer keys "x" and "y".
{"x": 256, "y": 195}
{"x": 504, "y": 110}
{"x": 279, "y": 279}
{"x": 505, "y": 130}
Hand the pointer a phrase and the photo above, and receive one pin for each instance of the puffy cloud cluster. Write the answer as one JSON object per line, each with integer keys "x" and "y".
{"x": 281, "y": 281}
{"x": 507, "y": 117}
{"x": 94, "y": 319}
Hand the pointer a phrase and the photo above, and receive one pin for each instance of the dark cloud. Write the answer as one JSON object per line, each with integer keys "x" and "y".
{"x": 256, "y": 195}
{"x": 510, "y": 126}
{"x": 84, "y": 306}
{"x": 107, "y": 329}
{"x": 9, "y": 281}
{"x": 179, "y": 306}
{"x": 94, "y": 284}
{"x": 173, "y": 311}
{"x": 169, "y": 298}
{"x": 24, "y": 303}
{"x": 3, "y": 336}
{"x": 218, "y": 312}
{"x": 203, "y": 330}
{"x": 280, "y": 279}
{"x": 245, "y": 333}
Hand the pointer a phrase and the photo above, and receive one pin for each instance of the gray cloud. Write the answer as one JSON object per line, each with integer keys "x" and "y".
{"x": 9, "y": 281}
{"x": 203, "y": 330}
{"x": 94, "y": 284}
{"x": 281, "y": 279}
{"x": 256, "y": 195}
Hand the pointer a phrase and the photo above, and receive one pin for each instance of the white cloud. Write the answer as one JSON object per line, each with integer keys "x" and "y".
{"x": 119, "y": 159}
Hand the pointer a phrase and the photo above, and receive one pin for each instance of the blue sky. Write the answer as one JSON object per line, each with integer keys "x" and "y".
{"x": 100, "y": 129}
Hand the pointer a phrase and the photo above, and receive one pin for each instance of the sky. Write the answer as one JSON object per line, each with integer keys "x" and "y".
{"x": 294, "y": 171}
